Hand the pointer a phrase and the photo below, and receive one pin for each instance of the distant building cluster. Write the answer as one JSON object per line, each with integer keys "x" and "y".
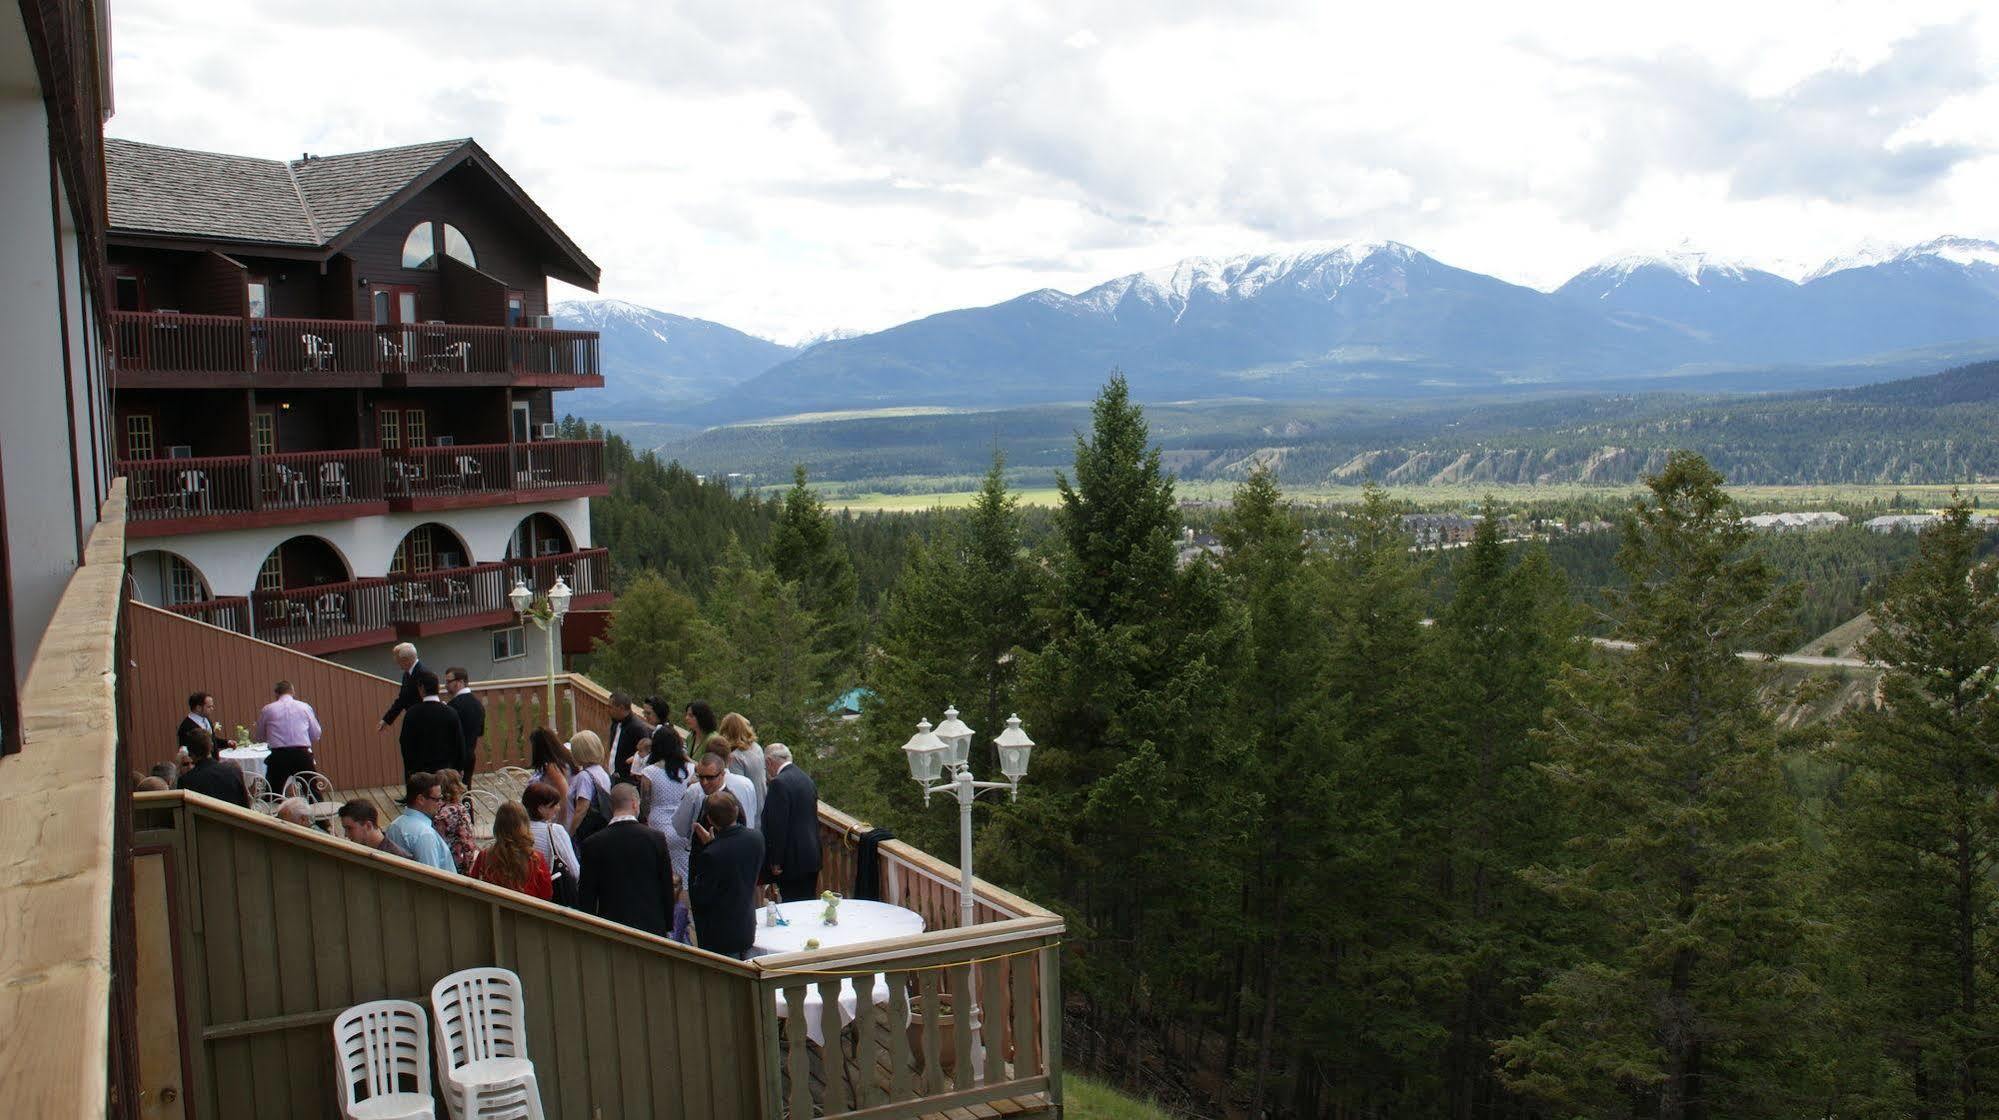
{"x": 1917, "y": 522}
{"x": 1192, "y": 546}
{"x": 1435, "y": 530}
{"x": 1795, "y": 522}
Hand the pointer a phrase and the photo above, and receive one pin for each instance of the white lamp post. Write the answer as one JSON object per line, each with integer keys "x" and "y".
{"x": 930, "y": 753}
{"x": 547, "y": 614}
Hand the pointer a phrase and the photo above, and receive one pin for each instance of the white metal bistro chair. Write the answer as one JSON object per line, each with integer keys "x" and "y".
{"x": 482, "y": 1041}
{"x": 516, "y": 779}
{"x": 382, "y": 1053}
{"x": 331, "y": 607}
{"x": 309, "y": 786}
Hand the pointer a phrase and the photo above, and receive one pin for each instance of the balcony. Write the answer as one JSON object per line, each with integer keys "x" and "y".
{"x": 172, "y": 496}
{"x": 171, "y": 350}
{"x": 336, "y": 616}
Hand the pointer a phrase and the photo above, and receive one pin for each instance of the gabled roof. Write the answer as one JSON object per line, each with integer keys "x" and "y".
{"x": 319, "y": 203}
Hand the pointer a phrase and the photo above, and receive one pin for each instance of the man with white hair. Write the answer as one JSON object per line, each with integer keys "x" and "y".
{"x": 292, "y": 810}
{"x": 790, "y": 827}
{"x": 409, "y": 697}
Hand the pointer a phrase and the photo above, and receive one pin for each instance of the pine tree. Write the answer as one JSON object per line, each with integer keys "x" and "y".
{"x": 804, "y": 551}
{"x": 1685, "y": 1004}
{"x": 1916, "y": 838}
{"x": 759, "y": 658}
{"x": 1505, "y": 635}
{"x": 653, "y": 627}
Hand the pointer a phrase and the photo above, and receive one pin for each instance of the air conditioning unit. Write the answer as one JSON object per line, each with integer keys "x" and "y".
{"x": 546, "y": 322}
{"x": 180, "y": 451}
{"x": 446, "y": 441}
{"x": 547, "y": 431}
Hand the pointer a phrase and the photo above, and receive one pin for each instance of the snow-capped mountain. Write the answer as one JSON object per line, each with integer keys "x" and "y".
{"x": 655, "y": 362}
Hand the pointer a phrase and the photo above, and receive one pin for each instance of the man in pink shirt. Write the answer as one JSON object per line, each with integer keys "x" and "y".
{"x": 290, "y": 728}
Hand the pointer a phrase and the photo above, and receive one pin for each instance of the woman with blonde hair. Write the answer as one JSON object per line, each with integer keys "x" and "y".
{"x": 746, "y": 757}
{"x": 591, "y": 783}
{"x": 453, "y": 820}
{"x": 512, "y": 862}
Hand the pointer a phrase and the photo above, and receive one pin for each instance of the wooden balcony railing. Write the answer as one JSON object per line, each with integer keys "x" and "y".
{"x": 166, "y": 489}
{"x": 172, "y": 342}
{"x": 231, "y": 612}
{"x": 364, "y": 609}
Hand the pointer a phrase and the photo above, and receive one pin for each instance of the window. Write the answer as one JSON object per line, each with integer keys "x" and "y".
{"x": 389, "y": 429}
{"x": 138, "y": 435}
{"x": 271, "y": 577}
{"x": 183, "y": 584}
{"x": 517, "y": 307}
{"x": 420, "y": 247}
{"x": 414, "y": 429}
{"x": 509, "y": 644}
{"x": 128, "y": 291}
{"x": 421, "y": 553}
{"x": 267, "y": 432}
{"x": 259, "y": 297}
{"x": 456, "y": 247}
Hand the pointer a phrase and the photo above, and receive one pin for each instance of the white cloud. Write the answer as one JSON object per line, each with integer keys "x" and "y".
{"x": 790, "y": 168}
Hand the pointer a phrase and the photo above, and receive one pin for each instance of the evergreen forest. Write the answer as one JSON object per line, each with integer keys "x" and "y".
{"x": 1346, "y": 829}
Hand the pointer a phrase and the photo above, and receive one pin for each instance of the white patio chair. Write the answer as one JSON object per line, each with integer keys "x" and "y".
{"x": 380, "y": 1049}
{"x": 267, "y": 802}
{"x": 318, "y": 352}
{"x": 255, "y": 786}
{"x": 332, "y": 479}
{"x": 310, "y": 786}
{"x": 482, "y": 1041}
{"x": 331, "y": 607}
{"x": 484, "y": 805}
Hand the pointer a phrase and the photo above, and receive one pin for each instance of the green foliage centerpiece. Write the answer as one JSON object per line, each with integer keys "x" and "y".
{"x": 832, "y": 901}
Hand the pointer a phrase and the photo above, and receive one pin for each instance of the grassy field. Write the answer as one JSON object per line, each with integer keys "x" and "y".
{"x": 1088, "y": 1099}
{"x": 1796, "y": 497}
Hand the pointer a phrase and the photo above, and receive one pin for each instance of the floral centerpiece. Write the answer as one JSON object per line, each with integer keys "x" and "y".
{"x": 832, "y": 901}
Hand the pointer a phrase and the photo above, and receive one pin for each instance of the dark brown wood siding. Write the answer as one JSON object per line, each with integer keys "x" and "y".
{"x": 505, "y": 245}
{"x": 217, "y": 286}
{"x": 472, "y": 295}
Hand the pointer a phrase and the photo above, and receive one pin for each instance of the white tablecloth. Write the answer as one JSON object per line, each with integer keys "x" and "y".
{"x": 813, "y": 1003}
{"x": 251, "y": 759}
{"x": 859, "y": 921}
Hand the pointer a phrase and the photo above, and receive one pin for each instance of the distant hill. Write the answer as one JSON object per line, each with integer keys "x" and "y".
{"x": 1942, "y": 427}
{"x": 1382, "y": 319}
{"x": 656, "y": 364}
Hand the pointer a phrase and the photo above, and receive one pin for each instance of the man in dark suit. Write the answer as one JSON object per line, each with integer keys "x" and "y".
{"x": 627, "y": 870}
{"x": 201, "y": 717}
{"x": 432, "y": 739}
{"x": 628, "y": 733}
{"x": 407, "y": 697}
{"x": 213, "y": 776}
{"x": 722, "y": 878}
{"x": 790, "y": 827}
{"x": 471, "y": 715}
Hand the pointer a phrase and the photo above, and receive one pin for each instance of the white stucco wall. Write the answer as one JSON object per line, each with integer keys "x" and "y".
{"x": 472, "y": 649}
{"x": 35, "y": 449}
{"x": 229, "y": 560}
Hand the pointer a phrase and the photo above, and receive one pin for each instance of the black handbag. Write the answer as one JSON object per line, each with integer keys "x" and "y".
{"x": 561, "y": 881}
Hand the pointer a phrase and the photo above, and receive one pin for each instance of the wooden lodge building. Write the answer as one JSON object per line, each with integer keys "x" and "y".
{"x": 307, "y": 402}
{"x": 334, "y": 382}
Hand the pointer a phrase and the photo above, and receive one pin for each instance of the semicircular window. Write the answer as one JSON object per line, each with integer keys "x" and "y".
{"x": 457, "y": 247}
{"x": 420, "y": 247}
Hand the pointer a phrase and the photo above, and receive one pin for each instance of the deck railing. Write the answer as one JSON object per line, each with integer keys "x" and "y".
{"x": 168, "y": 489}
{"x": 173, "y": 342}
{"x": 231, "y": 612}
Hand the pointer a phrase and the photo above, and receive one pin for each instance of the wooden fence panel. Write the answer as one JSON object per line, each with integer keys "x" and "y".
{"x": 281, "y": 929}
{"x": 172, "y": 656}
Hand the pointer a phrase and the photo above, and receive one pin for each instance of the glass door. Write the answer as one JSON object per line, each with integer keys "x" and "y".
{"x": 394, "y": 305}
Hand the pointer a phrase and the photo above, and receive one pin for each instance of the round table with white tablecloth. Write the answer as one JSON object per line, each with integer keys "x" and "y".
{"x": 860, "y": 921}
{"x": 250, "y": 759}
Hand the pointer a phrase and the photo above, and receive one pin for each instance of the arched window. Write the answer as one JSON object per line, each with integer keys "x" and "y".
{"x": 420, "y": 248}
{"x": 456, "y": 247}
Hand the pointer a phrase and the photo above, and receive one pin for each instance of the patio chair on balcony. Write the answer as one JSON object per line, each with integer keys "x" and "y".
{"x": 457, "y": 356}
{"x": 291, "y": 484}
{"x": 318, "y": 353}
{"x": 331, "y": 607}
{"x": 470, "y": 475}
{"x": 457, "y": 590}
{"x": 332, "y": 480}
{"x": 193, "y": 493}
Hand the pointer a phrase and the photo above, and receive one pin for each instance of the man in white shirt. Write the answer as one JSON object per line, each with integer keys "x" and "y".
{"x": 712, "y": 775}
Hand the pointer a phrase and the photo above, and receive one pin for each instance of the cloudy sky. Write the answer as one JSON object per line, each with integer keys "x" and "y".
{"x": 788, "y": 169}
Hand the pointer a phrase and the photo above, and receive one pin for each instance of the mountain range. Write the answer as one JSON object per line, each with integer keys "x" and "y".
{"x": 1374, "y": 319}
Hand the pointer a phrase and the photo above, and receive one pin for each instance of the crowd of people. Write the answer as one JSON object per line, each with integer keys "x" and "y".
{"x": 681, "y": 830}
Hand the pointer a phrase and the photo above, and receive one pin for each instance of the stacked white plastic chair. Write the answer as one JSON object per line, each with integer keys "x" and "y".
{"x": 384, "y": 1061}
{"x": 482, "y": 1040}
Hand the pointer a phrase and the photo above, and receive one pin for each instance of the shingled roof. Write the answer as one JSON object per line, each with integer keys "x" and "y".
{"x": 306, "y": 203}
{"x": 319, "y": 203}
